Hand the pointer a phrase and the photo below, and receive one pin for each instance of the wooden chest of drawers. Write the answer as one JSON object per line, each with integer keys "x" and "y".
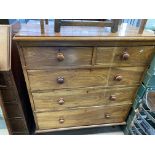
{"x": 77, "y": 82}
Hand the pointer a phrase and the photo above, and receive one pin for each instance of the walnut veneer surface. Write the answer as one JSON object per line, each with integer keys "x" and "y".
{"x": 82, "y": 76}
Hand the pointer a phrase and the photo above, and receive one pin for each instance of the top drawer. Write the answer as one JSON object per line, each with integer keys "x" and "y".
{"x": 46, "y": 57}
{"x": 124, "y": 56}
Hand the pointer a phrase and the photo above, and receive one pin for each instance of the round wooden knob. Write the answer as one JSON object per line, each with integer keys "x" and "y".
{"x": 107, "y": 115}
{"x": 61, "y": 120}
{"x": 125, "y": 56}
{"x": 112, "y": 98}
{"x": 60, "y": 80}
{"x": 61, "y": 101}
{"x": 118, "y": 78}
{"x": 60, "y": 56}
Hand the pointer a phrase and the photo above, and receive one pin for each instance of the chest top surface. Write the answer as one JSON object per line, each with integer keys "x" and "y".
{"x": 32, "y": 32}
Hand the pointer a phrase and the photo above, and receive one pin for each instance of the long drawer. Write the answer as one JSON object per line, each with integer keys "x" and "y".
{"x": 76, "y": 78}
{"x": 124, "y": 56}
{"x": 83, "y": 97}
{"x": 45, "y": 57}
{"x": 82, "y": 117}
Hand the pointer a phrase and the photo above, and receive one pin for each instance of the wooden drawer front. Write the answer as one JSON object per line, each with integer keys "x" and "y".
{"x": 82, "y": 117}
{"x": 41, "y": 80}
{"x": 125, "y": 76}
{"x": 104, "y": 55}
{"x": 44, "y": 57}
{"x": 85, "y": 97}
{"x": 8, "y": 95}
{"x": 124, "y": 56}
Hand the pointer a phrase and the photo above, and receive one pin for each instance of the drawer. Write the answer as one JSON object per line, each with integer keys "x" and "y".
{"x": 68, "y": 98}
{"x": 58, "y": 79}
{"x": 124, "y": 56}
{"x": 45, "y": 57}
{"x": 82, "y": 117}
{"x": 83, "y": 97}
{"x": 125, "y": 76}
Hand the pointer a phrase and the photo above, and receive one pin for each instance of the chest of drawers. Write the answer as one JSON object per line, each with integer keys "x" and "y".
{"x": 78, "y": 82}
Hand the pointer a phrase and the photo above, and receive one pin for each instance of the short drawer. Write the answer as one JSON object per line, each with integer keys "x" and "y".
{"x": 126, "y": 76}
{"x": 83, "y": 97}
{"x": 46, "y": 57}
{"x": 82, "y": 117}
{"x": 58, "y": 79}
{"x": 124, "y": 56}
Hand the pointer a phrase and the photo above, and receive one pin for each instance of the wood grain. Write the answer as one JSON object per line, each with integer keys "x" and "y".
{"x": 138, "y": 56}
{"x": 87, "y": 41}
{"x": 47, "y": 79}
{"x": 82, "y": 117}
{"x": 83, "y": 97}
{"x": 130, "y": 76}
{"x": 42, "y": 80}
{"x": 104, "y": 56}
{"x": 44, "y": 57}
{"x": 122, "y": 95}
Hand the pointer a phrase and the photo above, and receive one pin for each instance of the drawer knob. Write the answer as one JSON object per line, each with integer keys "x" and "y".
{"x": 125, "y": 56}
{"x": 112, "y": 98}
{"x": 61, "y": 101}
{"x": 60, "y": 56}
{"x": 118, "y": 78}
{"x": 107, "y": 116}
{"x": 60, "y": 80}
{"x": 61, "y": 120}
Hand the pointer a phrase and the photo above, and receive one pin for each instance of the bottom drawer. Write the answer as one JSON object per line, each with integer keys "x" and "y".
{"x": 82, "y": 117}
